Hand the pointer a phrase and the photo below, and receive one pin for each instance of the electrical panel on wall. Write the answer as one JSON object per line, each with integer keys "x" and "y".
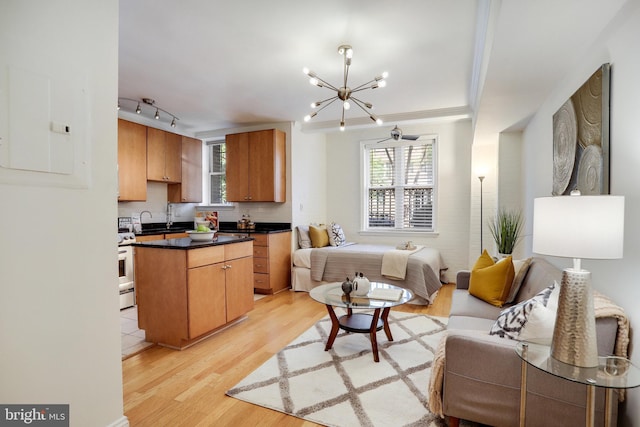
{"x": 44, "y": 135}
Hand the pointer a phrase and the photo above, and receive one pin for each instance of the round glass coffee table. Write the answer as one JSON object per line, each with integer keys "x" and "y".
{"x": 380, "y": 299}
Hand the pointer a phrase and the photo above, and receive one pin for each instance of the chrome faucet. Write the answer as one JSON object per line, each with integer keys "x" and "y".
{"x": 150, "y": 216}
{"x": 169, "y": 215}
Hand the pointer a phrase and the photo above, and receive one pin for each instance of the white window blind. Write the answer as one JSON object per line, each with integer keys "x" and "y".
{"x": 217, "y": 172}
{"x": 399, "y": 185}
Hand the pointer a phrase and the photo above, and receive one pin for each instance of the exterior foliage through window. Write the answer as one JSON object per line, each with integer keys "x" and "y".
{"x": 217, "y": 172}
{"x": 400, "y": 187}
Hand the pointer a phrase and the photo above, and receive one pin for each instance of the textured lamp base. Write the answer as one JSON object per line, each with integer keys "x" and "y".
{"x": 574, "y": 336}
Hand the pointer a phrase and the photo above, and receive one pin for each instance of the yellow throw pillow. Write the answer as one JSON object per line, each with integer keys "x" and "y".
{"x": 492, "y": 283}
{"x": 319, "y": 236}
{"x": 485, "y": 260}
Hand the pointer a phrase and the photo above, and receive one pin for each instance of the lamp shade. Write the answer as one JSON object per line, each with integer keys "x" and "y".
{"x": 579, "y": 226}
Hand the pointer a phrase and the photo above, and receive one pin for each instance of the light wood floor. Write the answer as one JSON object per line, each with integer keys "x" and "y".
{"x": 164, "y": 387}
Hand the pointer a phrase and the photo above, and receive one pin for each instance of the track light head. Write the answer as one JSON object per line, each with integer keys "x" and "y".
{"x": 150, "y": 102}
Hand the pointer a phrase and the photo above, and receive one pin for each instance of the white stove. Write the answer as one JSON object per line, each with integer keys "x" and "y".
{"x": 126, "y": 283}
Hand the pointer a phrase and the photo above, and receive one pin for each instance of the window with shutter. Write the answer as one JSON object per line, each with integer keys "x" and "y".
{"x": 217, "y": 173}
{"x": 399, "y": 178}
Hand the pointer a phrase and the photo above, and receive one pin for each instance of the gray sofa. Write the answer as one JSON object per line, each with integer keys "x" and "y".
{"x": 482, "y": 372}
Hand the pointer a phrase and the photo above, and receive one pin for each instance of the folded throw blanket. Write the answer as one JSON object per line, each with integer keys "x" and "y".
{"x": 603, "y": 307}
{"x": 394, "y": 262}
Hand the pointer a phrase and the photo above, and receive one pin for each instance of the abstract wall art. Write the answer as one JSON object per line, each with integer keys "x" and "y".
{"x": 581, "y": 138}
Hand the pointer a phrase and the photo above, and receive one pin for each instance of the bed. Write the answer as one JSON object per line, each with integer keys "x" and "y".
{"x": 315, "y": 266}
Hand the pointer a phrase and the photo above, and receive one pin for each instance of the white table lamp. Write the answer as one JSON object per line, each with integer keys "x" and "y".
{"x": 577, "y": 227}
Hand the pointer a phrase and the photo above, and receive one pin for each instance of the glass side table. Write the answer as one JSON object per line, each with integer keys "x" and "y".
{"x": 611, "y": 373}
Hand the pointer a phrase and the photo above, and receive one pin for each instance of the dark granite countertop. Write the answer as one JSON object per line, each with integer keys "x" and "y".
{"x": 161, "y": 228}
{"x": 187, "y": 243}
{"x": 261, "y": 228}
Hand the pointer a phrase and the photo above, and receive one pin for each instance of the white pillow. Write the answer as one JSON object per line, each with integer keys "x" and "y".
{"x": 304, "y": 240}
{"x": 539, "y": 325}
{"x": 511, "y": 321}
{"x": 336, "y": 235}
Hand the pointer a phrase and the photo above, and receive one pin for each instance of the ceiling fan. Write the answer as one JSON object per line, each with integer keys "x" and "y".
{"x": 396, "y": 135}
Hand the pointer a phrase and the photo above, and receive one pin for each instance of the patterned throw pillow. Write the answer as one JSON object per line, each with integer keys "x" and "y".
{"x": 336, "y": 235}
{"x": 512, "y": 320}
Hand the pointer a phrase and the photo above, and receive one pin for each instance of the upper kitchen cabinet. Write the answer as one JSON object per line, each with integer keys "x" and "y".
{"x": 190, "y": 188}
{"x": 132, "y": 161}
{"x": 164, "y": 153}
{"x": 256, "y": 168}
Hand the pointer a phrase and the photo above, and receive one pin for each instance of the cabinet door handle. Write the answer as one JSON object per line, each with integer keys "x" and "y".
{"x": 228, "y": 266}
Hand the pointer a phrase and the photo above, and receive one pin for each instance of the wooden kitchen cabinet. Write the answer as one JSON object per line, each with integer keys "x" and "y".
{"x": 256, "y": 166}
{"x": 271, "y": 262}
{"x": 164, "y": 156}
{"x": 132, "y": 161}
{"x": 190, "y": 188}
{"x": 184, "y": 295}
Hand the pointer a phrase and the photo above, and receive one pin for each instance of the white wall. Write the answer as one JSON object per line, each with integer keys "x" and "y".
{"x": 454, "y": 165}
{"x": 617, "y": 278}
{"x": 59, "y": 311}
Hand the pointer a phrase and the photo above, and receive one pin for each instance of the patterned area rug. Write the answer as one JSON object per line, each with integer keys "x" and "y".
{"x": 344, "y": 386}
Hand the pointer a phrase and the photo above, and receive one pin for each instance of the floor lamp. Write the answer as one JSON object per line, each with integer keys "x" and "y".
{"x": 481, "y": 178}
{"x": 577, "y": 227}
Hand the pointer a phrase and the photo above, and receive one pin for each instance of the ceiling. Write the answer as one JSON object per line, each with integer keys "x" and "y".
{"x": 218, "y": 65}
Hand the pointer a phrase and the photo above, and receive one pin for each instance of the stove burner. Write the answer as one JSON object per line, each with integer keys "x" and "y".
{"x": 126, "y": 238}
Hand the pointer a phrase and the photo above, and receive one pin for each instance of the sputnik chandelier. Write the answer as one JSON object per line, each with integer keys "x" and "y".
{"x": 151, "y": 103}
{"x": 344, "y": 93}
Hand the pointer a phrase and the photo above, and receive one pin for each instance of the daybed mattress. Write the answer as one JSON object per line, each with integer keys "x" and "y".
{"x": 313, "y": 267}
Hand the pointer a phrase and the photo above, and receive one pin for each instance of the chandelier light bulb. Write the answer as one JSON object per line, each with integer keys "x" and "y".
{"x": 342, "y": 126}
{"x": 382, "y": 83}
{"x": 306, "y": 71}
{"x": 346, "y": 105}
{"x": 379, "y": 121}
{"x": 157, "y": 116}
{"x": 314, "y": 81}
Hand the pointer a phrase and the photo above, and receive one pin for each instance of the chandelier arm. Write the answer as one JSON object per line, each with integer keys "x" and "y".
{"x": 359, "y": 103}
{"x": 345, "y": 73}
{"x": 319, "y": 103}
{"x": 327, "y": 84}
{"x": 326, "y": 105}
{"x": 364, "y": 86}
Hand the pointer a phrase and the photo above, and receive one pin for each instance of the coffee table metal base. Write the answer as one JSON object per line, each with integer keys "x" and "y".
{"x": 360, "y": 323}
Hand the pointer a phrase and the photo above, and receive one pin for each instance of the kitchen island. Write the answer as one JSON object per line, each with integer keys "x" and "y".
{"x": 188, "y": 290}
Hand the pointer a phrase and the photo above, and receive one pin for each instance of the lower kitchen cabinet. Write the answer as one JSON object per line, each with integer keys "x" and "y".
{"x": 271, "y": 262}
{"x": 185, "y": 295}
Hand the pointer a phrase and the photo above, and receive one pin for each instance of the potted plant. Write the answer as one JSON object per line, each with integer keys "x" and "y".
{"x": 506, "y": 229}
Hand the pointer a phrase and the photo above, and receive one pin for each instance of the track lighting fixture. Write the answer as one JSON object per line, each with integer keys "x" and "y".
{"x": 344, "y": 93}
{"x": 151, "y": 103}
